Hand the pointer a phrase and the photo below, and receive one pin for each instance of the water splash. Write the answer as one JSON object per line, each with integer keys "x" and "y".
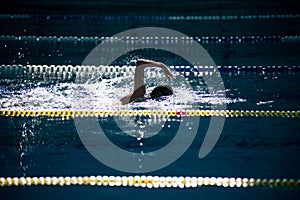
{"x": 103, "y": 94}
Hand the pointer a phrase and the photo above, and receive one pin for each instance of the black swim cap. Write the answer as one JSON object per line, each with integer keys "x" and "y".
{"x": 162, "y": 90}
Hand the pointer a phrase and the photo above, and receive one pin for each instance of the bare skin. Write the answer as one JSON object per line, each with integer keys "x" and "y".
{"x": 139, "y": 89}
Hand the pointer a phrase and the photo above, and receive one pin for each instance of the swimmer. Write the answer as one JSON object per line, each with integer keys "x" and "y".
{"x": 139, "y": 90}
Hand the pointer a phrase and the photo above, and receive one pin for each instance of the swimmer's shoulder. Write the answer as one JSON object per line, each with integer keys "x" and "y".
{"x": 125, "y": 100}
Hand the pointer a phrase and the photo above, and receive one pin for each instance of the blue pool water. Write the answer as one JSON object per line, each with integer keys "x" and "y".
{"x": 258, "y": 147}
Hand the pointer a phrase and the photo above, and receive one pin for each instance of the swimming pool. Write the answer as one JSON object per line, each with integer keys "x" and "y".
{"x": 256, "y": 55}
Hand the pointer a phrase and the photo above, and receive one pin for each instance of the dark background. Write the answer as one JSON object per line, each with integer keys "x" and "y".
{"x": 255, "y": 147}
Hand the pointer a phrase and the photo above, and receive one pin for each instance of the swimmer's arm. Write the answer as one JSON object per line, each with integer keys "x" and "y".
{"x": 139, "y": 78}
{"x": 141, "y": 64}
{"x": 139, "y": 89}
{"x": 139, "y": 75}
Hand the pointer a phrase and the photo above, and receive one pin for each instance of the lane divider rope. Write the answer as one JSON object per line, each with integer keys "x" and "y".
{"x": 129, "y": 68}
{"x": 147, "y": 18}
{"x": 81, "y": 72}
{"x": 171, "y": 39}
{"x": 149, "y": 181}
{"x": 106, "y": 113}
{"x": 83, "y": 77}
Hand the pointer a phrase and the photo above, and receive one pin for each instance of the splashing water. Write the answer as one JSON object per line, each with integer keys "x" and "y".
{"x": 104, "y": 94}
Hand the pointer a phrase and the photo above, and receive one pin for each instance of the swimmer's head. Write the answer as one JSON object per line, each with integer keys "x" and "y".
{"x": 162, "y": 90}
